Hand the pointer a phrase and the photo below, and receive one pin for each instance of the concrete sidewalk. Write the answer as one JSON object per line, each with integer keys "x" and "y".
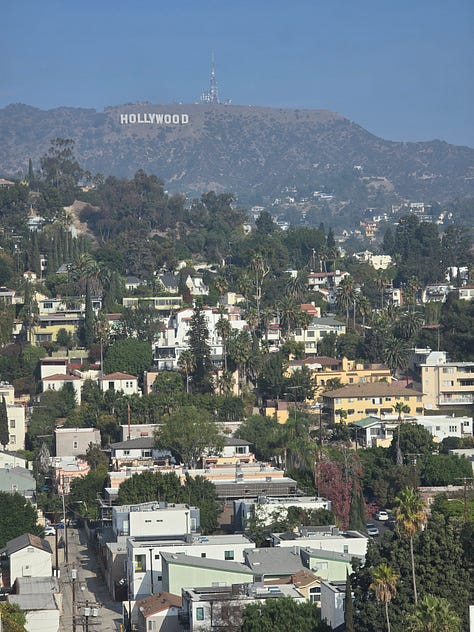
{"x": 90, "y": 589}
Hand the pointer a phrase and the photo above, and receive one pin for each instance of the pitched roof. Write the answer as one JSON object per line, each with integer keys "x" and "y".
{"x": 205, "y": 562}
{"x": 273, "y": 561}
{"x": 153, "y": 604}
{"x": 24, "y": 540}
{"x": 60, "y": 377}
{"x": 118, "y": 376}
{"x": 366, "y": 422}
{"x": 139, "y": 442}
{"x": 381, "y": 389}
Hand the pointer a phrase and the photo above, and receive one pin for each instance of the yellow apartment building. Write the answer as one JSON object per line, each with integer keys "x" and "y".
{"x": 357, "y": 401}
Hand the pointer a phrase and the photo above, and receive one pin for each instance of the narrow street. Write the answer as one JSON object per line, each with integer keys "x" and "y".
{"x": 90, "y": 589}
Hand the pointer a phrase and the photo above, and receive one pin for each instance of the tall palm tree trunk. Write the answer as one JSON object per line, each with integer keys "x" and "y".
{"x": 412, "y": 557}
{"x": 387, "y": 617}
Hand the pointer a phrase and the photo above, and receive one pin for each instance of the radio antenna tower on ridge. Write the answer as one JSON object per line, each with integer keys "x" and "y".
{"x": 212, "y": 95}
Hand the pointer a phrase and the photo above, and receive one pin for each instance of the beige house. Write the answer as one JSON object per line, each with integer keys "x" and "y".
{"x": 357, "y": 401}
{"x": 75, "y": 441}
{"x": 448, "y": 385}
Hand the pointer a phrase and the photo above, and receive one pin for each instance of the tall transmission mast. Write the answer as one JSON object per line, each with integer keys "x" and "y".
{"x": 211, "y": 95}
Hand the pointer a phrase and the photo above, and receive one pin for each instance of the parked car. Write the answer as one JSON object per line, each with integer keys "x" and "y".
{"x": 371, "y": 529}
{"x": 49, "y": 530}
{"x": 382, "y": 515}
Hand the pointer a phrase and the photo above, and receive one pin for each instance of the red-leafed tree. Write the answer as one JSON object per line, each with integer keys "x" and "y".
{"x": 335, "y": 485}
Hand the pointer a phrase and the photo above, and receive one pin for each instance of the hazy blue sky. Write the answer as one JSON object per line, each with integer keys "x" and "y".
{"x": 403, "y": 69}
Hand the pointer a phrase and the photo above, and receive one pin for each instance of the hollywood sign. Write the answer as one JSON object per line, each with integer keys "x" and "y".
{"x": 154, "y": 119}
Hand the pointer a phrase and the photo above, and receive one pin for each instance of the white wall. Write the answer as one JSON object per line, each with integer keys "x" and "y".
{"x": 30, "y": 562}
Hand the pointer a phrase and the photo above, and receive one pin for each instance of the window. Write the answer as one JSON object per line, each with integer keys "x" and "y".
{"x": 126, "y": 452}
{"x": 12, "y": 423}
{"x": 111, "y": 386}
{"x": 228, "y": 555}
{"x": 199, "y": 614}
{"x": 12, "y": 438}
{"x": 452, "y": 428}
{"x": 140, "y": 563}
{"x": 240, "y": 449}
{"x": 151, "y": 625}
{"x": 345, "y": 548}
{"x": 315, "y": 594}
{"x": 448, "y": 382}
{"x": 203, "y": 555}
{"x": 75, "y": 445}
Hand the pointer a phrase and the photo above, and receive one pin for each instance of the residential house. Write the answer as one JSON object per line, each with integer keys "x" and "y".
{"x": 181, "y": 570}
{"x": 329, "y": 565}
{"x": 75, "y": 441}
{"x": 274, "y": 564}
{"x": 16, "y": 418}
{"x": 466, "y": 292}
{"x": 234, "y": 452}
{"x": 155, "y": 519}
{"x": 12, "y": 459}
{"x": 327, "y": 538}
{"x": 448, "y": 385}
{"x": 66, "y": 469}
{"x": 25, "y": 556}
{"x": 137, "y": 452}
{"x": 120, "y": 383}
{"x": 221, "y": 607}
{"x": 53, "y": 366}
{"x": 324, "y": 369}
{"x": 8, "y": 297}
{"x": 357, "y": 401}
{"x": 47, "y": 326}
{"x": 316, "y": 331}
{"x": 333, "y": 597}
{"x": 58, "y": 381}
{"x": 145, "y": 559}
{"x": 320, "y": 280}
{"x": 41, "y": 601}
{"x": 269, "y": 510}
{"x": 375, "y": 431}
{"x": 159, "y": 613}
{"x": 18, "y": 480}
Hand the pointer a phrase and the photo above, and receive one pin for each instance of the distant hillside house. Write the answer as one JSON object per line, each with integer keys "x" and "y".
{"x": 120, "y": 383}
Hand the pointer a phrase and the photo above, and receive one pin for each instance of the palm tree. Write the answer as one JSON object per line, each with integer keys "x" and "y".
{"x": 365, "y": 308}
{"x": 434, "y": 614}
{"x": 186, "y": 364}
{"x": 411, "y": 517}
{"x": 288, "y": 310}
{"x": 384, "y": 586}
{"x": 395, "y": 353}
{"x": 296, "y": 286}
{"x": 223, "y": 329}
{"x": 345, "y": 296}
{"x": 409, "y": 324}
{"x": 400, "y": 408}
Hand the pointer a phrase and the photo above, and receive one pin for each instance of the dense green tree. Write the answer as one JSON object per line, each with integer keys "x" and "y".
{"x": 141, "y": 322}
{"x": 84, "y": 492}
{"x": 17, "y": 516}
{"x": 4, "y": 430}
{"x": 198, "y": 337}
{"x": 150, "y": 486}
{"x": 89, "y": 318}
{"x": 442, "y": 469}
{"x": 128, "y": 356}
{"x": 281, "y": 615}
{"x": 188, "y": 432}
{"x": 12, "y": 618}
{"x": 434, "y": 614}
{"x": 264, "y": 433}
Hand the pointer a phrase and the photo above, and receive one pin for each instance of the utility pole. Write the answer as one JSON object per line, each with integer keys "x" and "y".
{"x": 464, "y": 480}
{"x": 74, "y": 577}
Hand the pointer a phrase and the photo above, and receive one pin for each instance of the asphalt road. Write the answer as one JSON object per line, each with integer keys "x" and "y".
{"x": 90, "y": 589}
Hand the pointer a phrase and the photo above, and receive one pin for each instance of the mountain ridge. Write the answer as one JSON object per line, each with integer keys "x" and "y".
{"x": 252, "y": 151}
